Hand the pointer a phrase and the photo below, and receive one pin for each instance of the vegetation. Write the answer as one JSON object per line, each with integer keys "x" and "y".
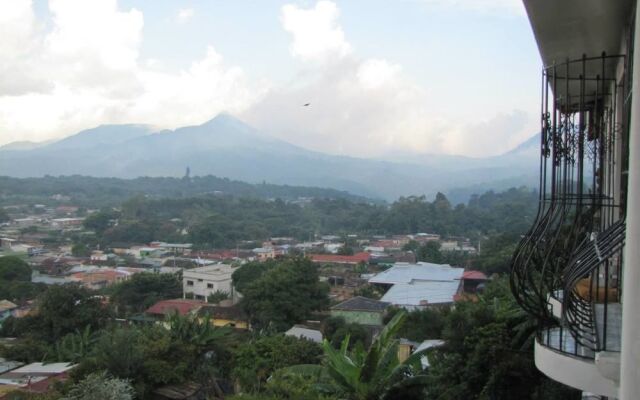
{"x": 488, "y": 353}
{"x": 100, "y": 386}
{"x": 224, "y": 221}
{"x": 284, "y": 294}
{"x": 256, "y": 360}
{"x": 144, "y": 290}
{"x": 373, "y": 374}
{"x": 94, "y": 192}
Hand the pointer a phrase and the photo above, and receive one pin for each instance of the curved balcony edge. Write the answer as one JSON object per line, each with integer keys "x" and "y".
{"x": 580, "y": 373}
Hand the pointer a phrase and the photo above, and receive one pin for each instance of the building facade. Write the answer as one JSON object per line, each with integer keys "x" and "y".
{"x": 204, "y": 281}
{"x": 577, "y": 268}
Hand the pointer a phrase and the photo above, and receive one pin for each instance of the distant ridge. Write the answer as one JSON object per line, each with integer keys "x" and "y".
{"x": 227, "y": 147}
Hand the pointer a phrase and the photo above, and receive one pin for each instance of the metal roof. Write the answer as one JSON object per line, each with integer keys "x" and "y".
{"x": 422, "y": 293}
{"x": 305, "y": 333}
{"x": 422, "y": 271}
{"x": 360, "y": 303}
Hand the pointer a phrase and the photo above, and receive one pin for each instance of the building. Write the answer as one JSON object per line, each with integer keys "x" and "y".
{"x": 361, "y": 310}
{"x": 577, "y": 270}
{"x": 204, "y": 281}
{"x": 421, "y": 285}
{"x": 35, "y": 377}
{"x": 181, "y": 307}
{"x": 67, "y": 222}
{"x": 302, "y": 332}
{"x": 232, "y": 316}
{"x": 340, "y": 260}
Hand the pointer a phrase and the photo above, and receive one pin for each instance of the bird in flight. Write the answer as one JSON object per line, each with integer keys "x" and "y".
{"x": 306, "y": 105}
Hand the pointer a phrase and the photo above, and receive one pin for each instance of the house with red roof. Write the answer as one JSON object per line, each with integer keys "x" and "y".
{"x": 168, "y": 307}
{"x": 338, "y": 259}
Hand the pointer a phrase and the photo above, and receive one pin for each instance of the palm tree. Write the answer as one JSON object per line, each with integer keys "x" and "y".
{"x": 376, "y": 374}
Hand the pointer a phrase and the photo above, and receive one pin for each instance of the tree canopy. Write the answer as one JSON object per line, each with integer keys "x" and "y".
{"x": 285, "y": 294}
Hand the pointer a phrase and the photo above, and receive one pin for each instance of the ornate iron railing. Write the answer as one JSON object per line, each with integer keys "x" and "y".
{"x": 579, "y": 191}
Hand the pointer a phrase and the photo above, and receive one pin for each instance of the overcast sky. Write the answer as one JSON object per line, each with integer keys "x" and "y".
{"x": 382, "y": 76}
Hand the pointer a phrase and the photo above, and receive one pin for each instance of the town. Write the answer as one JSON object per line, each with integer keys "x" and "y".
{"x": 353, "y": 284}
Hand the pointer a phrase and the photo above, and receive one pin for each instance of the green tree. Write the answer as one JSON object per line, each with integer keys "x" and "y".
{"x": 256, "y": 360}
{"x": 285, "y": 295}
{"x": 80, "y": 250}
{"x": 217, "y": 297}
{"x": 13, "y": 268}
{"x": 62, "y": 309}
{"x": 100, "y": 221}
{"x": 143, "y": 290}
{"x": 488, "y": 353}
{"x": 250, "y": 272}
{"x": 372, "y": 374}
{"x": 101, "y": 386}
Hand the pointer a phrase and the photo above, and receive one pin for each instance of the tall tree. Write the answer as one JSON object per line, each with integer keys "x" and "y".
{"x": 285, "y": 295}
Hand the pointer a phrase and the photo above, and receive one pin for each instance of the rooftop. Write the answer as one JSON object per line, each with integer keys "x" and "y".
{"x": 215, "y": 270}
{"x": 422, "y": 293}
{"x": 422, "y": 271}
{"x": 332, "y": 258}
{"x": 303, "y": 332}
{"x": 359, "y": 303}
{"x": 181, "y": 306}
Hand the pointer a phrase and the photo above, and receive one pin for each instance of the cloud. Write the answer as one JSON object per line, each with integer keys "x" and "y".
{"x": 86, "y": 70}
{"x": 367, "y": 106}
{"x": 316, "y": 35}
{"x": 184, "y": 15}
{"x": 502, "y": 7}
{"x": 491, "y": 136}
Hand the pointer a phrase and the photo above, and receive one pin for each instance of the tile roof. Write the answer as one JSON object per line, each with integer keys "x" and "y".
{"x": 474, "y": 275}
{"x": 182, "y": 306}
{"x": 359, "y": 303}
{"x": 333, "y": 258}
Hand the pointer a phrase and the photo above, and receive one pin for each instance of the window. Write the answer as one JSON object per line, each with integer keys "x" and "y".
{"x": 189, "y": 283}
{"x": 209, "y": 285}
{"x": 199, "y": 297}
{"x": 199, "y": 280}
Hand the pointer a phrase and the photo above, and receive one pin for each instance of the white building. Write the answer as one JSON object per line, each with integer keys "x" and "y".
{"x": 579, "y": 270}
{"x": 204, "y": 281}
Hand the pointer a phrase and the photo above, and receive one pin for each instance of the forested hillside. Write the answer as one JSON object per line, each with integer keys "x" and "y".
{"x": 222, "y": 221}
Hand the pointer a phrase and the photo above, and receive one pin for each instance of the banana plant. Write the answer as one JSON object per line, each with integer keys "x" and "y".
{"x": 373, "y": 374}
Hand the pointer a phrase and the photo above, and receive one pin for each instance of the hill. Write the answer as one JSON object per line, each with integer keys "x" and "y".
{"x": 227, "y": 147}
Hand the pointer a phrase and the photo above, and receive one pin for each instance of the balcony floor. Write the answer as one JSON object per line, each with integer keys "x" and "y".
{"x": 613, "y": 324}
{"x": 560, "y": 339}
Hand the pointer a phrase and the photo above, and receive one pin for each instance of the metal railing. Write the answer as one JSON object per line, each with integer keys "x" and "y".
{"x": 580, "y": 188}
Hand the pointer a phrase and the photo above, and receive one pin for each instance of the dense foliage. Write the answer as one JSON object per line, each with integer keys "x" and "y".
{"x": 285, "y": 294}
{"x": 224, "y": 221}
{"x": 255, "y": 361}
{"x": 488, "y": 353}
{"x": 94, "y": 192}
{"x": 143, "y": 290}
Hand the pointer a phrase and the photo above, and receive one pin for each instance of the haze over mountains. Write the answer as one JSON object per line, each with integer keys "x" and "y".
{"x": 227, "y": 147}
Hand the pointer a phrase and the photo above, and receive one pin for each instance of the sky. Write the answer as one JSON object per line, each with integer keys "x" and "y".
{"x": 383, "y": 77}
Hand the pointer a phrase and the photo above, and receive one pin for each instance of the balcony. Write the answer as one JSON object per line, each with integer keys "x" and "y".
{"x": 593, "y": 373}
{"x": 568, "y": 267}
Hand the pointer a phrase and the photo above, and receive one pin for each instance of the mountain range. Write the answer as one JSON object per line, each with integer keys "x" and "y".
{"x": 227, "y": 147}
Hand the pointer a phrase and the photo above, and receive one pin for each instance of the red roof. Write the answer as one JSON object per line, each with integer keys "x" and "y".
{"x": 182, "y": 306}
{"x": 332, "y": 258}
{"x": 474, "y": 275}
